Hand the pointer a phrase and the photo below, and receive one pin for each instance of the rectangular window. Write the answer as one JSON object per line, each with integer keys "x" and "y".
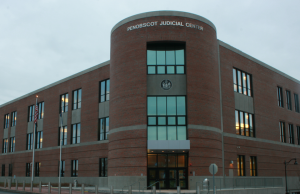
{"x": 41, "y": 110}
{"x": 76, "y": 133}
{"x": 10, "y": 169}
{"x": 244, "y": 123}
{"x": 288, "y": 100}
{"x": 102, "y": 167}
{"x": 62, "y": 135}
{"x": 103, "y": 128}
{"x": 30, "y": 113}
{"x": 12, "y": 144}
{"x": 6, "y": 121}
{"x": 291, "y": 134}
{"x": 39, "y": 140}
{"x": 76, "y": 99}
{"x": 253, "y": 169}
{"x": 13, "y": 118}
{"x": 298, "y": 134}
{"x": 282, "y": 131}
{"x": 37, "y": 167}
{"x": 5, "y": 145}
{"x": 3, "y": 170}
{"x": 296, "y": 102}
{"x": 279, "y": 96}
{"x": 62, "y": 172}
{"x": 242, "y": 82}
{"x": 29, "y": 141}
{"x": 166, "y": 118}
{"x": 64, "y": 102}
{"x": 74, "y": 168}
{"x": 104, "y": 90}
{"x": 28, "y": 169}
{"x": 166, "y": 58}
{"x": 241, "y": 165}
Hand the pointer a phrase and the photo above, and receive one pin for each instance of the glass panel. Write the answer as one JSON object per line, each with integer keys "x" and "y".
{"x": 78, "y": 133}
{"x": 181, "y": 133}
{"x": 162, "y": 174}
{"x": 244, "y": 83}
{"x": 161, "y": 70}
{"x": 181, "y": 105}
{"x": 107, "y": 127}
{"x": 151, "y": 120}
{"x": 238, "y": 166}
{"x": 151, "y": 105}
{"x": 172, "y": 163}
{"x": 171, "y": 105}
{"x": 162, "y": 160}
{"x": 152, "y": 175}
{"x": 179, "y": 69}
{"x": 171, "y": 133}
{"x": 152, "y": 133}
{"x": 234, "y": 80}
{"x": 79, "y": 98}
{"x": 75, "y": 100}
{"x": 239, "y": 81}
{"x": 182, "y": 174}
{"x": 161, "y": 105}
{"x": 161, "y": 120}
{"x": 242, "y": 123}
{"x": 170, "y": 57}
{"x": 161, "y": 57}
{"x": 151, "y": 57}
{"x": 173, "y": 184}
{"x": 171, "y": 120}
{"x": 67, "y": 102}
{"x": 182, "y": 184}
{"x": 152, "y": 160}
{"x": 162, "y": 184}
{"x": 107, "y": 89}
{"x": 170, "y": 69}
{"x": 181, "y": 121}
{"x": 181, "y": 161}
{"x": 237, "y": 124}
{"x": 179, "y": 57}
{"x": 246, "y": 124}
{"x": 249, "y": 85}
{"x": 161, "y": 133}
{"x": 151, "y": 69}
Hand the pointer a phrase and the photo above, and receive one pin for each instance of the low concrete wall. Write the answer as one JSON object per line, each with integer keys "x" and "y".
{"x": 118, "y": 182}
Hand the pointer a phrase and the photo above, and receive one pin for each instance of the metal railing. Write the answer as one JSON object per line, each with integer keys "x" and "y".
{"x": 152, "y": 185}
{"x": 131, "y": 185}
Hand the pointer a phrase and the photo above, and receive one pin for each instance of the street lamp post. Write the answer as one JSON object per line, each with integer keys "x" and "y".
{"x": 285, "y": 164}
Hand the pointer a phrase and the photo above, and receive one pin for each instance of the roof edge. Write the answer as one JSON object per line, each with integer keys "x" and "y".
{"x": 163, "y": 13}
{"x": 58, "y": 82}
{"x": 257, "y": 61}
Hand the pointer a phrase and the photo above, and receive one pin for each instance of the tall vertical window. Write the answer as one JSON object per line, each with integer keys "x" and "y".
{"x": 74, "y": 168}
{"x": 63, "y": 165}
{"x": 29, "y": 141}
{"x": 37, "y": 167}
{"x": 27, "y": 169}
{"x": 298, "y": 134}
{"x": 242, "y": 82}
{"x": 13, "y": 118}
{"x": 288, "y": 100}
{"x": 279, "y": 96}
{"x": 41, "y": 110}
{"x": 166, "y": 58}
{"x": 103, "y": 128}
{"x": 10, "y": 168}
{"x": 76, "y": 99}
{"x": 3, "y": 170}
{"x": 166, "y": 118}
{"x": 30, "y": 113}
{"x": 291, "y": 134}
{"x": 282, "y": 131}
{"x": 244, "y": 123}
{"x": 6, "y": 121}
{"x": 62, "y": 134}
{"x": 39, "y": 140}
{"x": 76, "y": 133}
{"x": 296, "y": 102}
{"x": 64, "y": 102}
{"x": 104, "y": 90}
{"x": 241, "y": 165}
{"x": 253, "y": 169}
{"x": 12, "y": 144}
{"x": 103, "y": 167}
{"x": 5, "y": 145}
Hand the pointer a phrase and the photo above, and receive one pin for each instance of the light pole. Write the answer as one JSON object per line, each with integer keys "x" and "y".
{"x": 285, "y": 164}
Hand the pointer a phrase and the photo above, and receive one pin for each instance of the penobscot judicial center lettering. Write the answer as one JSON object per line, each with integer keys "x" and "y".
{"x": 164, "y": 23}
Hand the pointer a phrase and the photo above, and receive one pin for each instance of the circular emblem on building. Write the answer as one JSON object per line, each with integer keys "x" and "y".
{"x": 166, "y": 84}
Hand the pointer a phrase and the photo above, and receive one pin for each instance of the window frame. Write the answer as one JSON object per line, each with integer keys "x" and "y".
{"x": 282, "y": 131}
{"x": 76, "y": 135}
{"x": 253, "y": 162}
{"x": 296, "y": 99}
{"x": 239, "y": 87}
{"x": 64, "y": 135}
{"x": 106, "y": 131}
{"x": 39, "y": 140}
{"x": 244, "y": 130}
{"x": 29, "y": 141}
{"x": 13, "y": 119}
{"x": 37, "y": 167}
{"x": 106, "y": 94}
{"x": 298, "y": 134}
{"x": 31, "y": 109}
{"x": 63, "y": 168}
{"x": 241, "y": 171}
{"x": 103, "y": 168}
{"x": 12, "y": 144}
{"x": 291, "y": 133}
{"x": 74, "y": 173}
{"x": 75, "y": 99}
{"x": 64, "y": 103}
{"x": 288, "y": 100}
{"x": 41, "y": 108}
{"x": 10, "y": 169}
{"x": 6, "y": 121}
{"x": 3, "y": 170}
{"x": 280, "y": 97}
{"x": 27, "y": 170}
{"x": 5, "y": 145}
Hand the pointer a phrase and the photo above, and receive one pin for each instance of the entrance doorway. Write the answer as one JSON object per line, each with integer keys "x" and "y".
{"x": 167, "y": 171}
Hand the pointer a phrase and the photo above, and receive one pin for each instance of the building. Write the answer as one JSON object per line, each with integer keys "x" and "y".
{"x": 171, "y": 100}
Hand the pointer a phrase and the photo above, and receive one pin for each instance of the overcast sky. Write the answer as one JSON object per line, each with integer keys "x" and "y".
{"x": 44, "y": 41}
